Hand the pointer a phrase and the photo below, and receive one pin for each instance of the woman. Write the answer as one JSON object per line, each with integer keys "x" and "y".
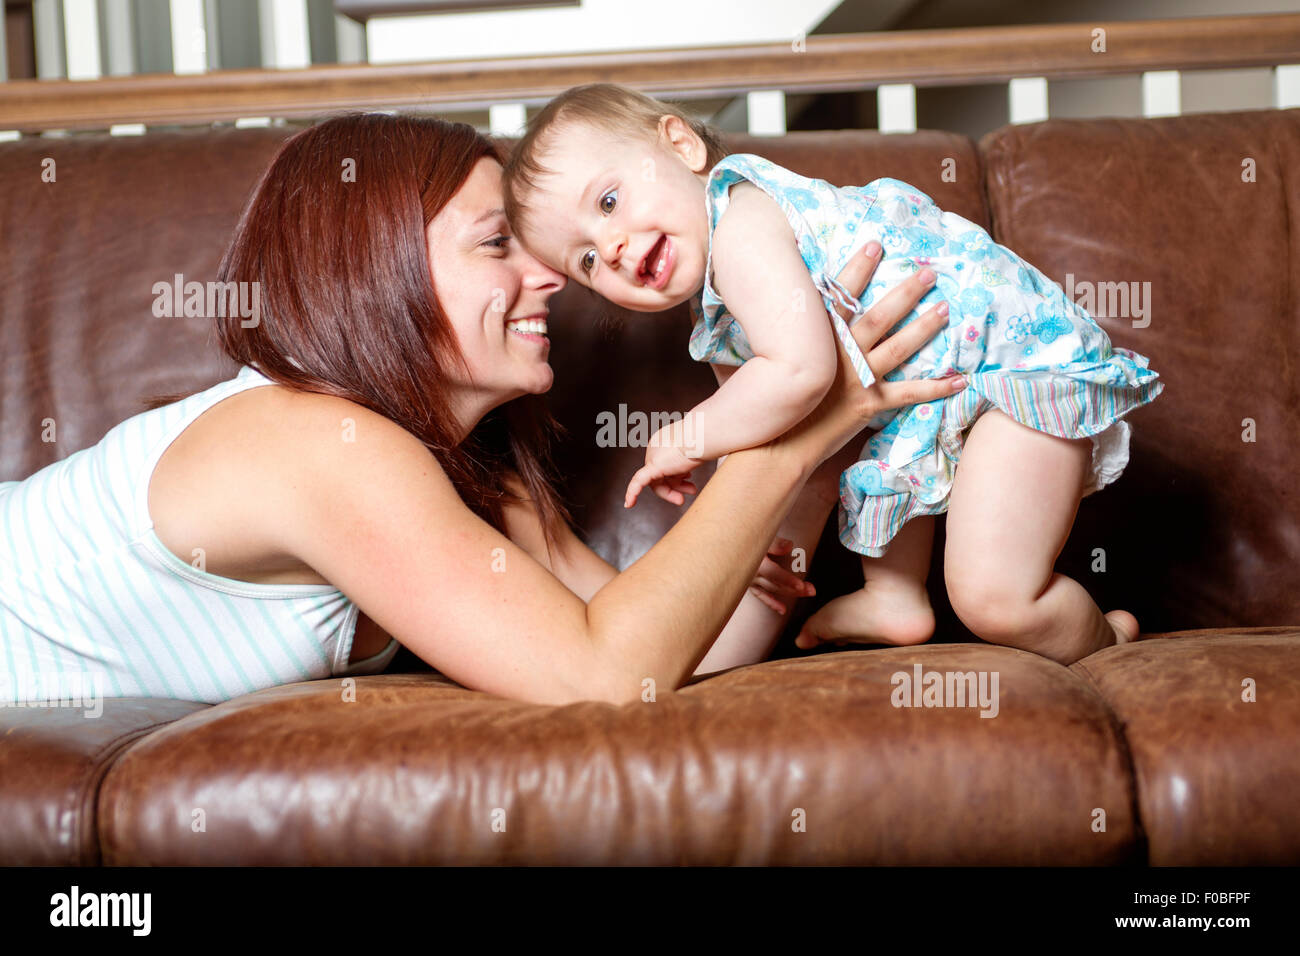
{"x": 395, "y": 453}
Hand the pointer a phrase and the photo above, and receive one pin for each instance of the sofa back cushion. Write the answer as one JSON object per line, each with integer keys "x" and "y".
{"x": 80, "y": 251}
{"x": 1196, "y": 214}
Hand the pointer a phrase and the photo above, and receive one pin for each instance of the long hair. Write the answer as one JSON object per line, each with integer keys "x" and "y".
{"x": 334, "y": 236}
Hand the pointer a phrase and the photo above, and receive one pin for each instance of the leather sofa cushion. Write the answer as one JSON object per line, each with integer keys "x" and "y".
{"x": 1216, "y": 774}
{"x": 717, "y": 773}
{"x": 51, "y": 763}
{"x": 78, "y": 260}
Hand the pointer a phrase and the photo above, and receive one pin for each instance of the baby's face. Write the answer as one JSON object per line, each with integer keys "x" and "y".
{"x": 623, "y": 216}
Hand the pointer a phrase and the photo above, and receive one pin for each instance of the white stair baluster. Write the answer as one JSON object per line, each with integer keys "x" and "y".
{"x": 1027, "y": 99}
{"x": 896, "y": 108}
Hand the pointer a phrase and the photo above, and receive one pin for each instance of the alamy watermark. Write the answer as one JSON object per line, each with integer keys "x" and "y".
{"x": 637, "y": 429}
{"x": 75, "y": 908}
{"x": 946, "y": 689}
{"x": 72, "y": 689}
{"x": 208, "y": 300}
{"x": 1112, "y": 300}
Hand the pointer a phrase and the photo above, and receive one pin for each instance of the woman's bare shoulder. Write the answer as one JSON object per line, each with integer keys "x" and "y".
{"x": 277, "y": 430}
{"x": 318, "y": 441}
{"x": 253, "y": 475}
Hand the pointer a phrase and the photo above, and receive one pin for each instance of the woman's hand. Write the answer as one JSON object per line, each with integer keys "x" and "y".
{"x": 848, "y": 406}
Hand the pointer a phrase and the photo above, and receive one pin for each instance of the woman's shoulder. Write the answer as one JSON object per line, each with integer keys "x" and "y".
{"x": 276, "y": 417}
{"x": 312, "y": 430}
{"x": 260, "y": 470}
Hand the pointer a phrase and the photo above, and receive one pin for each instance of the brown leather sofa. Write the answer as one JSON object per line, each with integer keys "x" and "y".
{"x": 1151, "y": 753}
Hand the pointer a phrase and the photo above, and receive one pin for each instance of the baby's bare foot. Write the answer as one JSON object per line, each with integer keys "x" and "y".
{"x": 1125, "y": 626}
{"x": 871, "y": 616}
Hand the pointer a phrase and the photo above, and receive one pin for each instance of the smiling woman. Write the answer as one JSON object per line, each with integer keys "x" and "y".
{"x": 385, "y": 332}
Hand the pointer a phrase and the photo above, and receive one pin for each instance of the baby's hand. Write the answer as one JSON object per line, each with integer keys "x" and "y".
{"x": 666, "y": 471}
{"x": 775, "y": 584}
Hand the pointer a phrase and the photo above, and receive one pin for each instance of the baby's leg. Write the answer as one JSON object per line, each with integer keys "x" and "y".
{"x": 892, "y": 607}
{"x": 1013, "y": 502}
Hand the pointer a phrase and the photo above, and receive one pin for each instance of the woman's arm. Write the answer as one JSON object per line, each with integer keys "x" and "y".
{"x": 379, "y": 519}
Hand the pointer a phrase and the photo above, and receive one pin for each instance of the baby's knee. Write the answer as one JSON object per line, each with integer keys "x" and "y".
{"x": 992, "y": 611}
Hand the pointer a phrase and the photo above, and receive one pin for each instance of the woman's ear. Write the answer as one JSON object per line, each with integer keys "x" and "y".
{"x": 684, "y": 141}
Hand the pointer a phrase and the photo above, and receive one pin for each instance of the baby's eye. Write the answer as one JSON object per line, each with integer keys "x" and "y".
{"x": 588, "y": 260}
{"x": 609, "y": 201}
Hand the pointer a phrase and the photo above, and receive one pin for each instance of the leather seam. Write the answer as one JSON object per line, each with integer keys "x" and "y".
{"x": 1143, "y": 847}
{"x": 88, "y": 798}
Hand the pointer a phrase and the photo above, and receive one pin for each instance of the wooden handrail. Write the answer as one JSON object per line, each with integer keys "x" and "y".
{"x": 826, "y": 63}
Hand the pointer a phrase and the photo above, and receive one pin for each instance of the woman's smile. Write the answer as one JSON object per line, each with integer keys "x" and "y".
{"x": 530, "y": 329}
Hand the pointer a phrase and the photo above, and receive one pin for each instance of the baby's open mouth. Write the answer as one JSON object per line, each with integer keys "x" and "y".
{"x": 655, "y": 266}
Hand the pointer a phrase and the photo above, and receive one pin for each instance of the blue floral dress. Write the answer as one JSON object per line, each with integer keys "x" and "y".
{"x": 1023, "y": 346}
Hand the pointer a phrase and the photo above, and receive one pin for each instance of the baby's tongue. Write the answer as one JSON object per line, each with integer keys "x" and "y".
{"x": 652, "y": 259}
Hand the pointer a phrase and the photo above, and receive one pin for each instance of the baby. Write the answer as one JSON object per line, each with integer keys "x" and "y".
{"x": 633, "y": 199}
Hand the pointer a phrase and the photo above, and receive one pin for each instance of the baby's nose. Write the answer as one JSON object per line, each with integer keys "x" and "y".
{"x": 616, "y": 248}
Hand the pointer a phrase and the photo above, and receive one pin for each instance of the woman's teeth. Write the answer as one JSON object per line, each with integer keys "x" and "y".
{"x": 528, "y": 326}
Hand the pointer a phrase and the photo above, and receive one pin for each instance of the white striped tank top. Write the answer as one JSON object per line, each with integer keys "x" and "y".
{"x": 91, "y": 598}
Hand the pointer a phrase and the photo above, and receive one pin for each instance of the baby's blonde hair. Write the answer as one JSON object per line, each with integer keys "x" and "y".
{"x": 609, "y": 107}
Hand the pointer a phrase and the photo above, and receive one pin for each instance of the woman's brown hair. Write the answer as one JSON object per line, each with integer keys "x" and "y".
{"x": 334, "y": 236}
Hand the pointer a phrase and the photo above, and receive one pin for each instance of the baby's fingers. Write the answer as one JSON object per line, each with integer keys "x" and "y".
{"x": 642, "y": 478}
{"x": 667, "y": 492}
{"x": 767, "y": 599}
{"x": 673, "y": 489}
{"x": 777, "y": 578}
{"x": 780, "y": 547}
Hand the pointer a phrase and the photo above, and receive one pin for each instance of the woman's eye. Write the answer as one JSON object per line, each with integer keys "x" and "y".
{"x": 609, "y": 201}
{"x": 588, "y": 261}
{"x": 498, "y": 243}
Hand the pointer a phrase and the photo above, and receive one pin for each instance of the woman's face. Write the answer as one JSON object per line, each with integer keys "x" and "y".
{"x": 493, "y": 293}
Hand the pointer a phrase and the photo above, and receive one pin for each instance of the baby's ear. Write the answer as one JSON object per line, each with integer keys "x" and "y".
{"x": 684, "y": 141}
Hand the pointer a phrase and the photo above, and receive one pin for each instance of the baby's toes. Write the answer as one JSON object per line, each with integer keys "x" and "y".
{"x": 1125, "y": 626}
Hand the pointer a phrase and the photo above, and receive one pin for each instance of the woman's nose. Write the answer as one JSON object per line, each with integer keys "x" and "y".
{"x": 541, "y": 277}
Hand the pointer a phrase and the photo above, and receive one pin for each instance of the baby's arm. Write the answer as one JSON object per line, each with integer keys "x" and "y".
{"x": 763, "y": 279}
{"x": 761, "y": 276}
